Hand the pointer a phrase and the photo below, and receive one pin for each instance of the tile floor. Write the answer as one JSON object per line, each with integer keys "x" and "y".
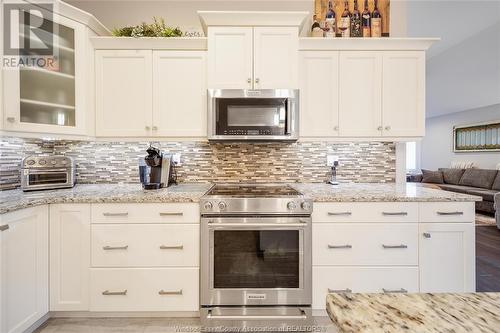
{"x": 144, "y": 325}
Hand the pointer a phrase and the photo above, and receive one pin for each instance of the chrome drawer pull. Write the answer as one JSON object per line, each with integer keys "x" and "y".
{"x": 114, "y": 293}
{"x": 339, "y": 213}
{"x": 450, "y": 213}
{"x": 115, "y": 214}
{"x": 339, "y": 291}
{"x": 394, "y": 213}
{"x": 397, "y": 291}
{"x": 426, "y": 235}
{"x": 115, "y": 247}
{"x": 4, "y": 227}
{"x": 174, "y": 247}
{"x": 346, "y": 246}
{"x": 176, "y": 292}
{"x": 171, "y": 214}
{"x": 302, "y": 315}
{"x": 402, "y": 246}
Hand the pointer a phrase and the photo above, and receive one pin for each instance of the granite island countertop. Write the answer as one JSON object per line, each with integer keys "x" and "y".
{"x": 12, "y": 200}
{"x": 447, "y": 312}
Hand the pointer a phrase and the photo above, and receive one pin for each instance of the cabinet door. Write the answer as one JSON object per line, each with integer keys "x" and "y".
{"x": 24, "y": 258}
{"x": 69, "y": 257}
{"x": 230, "y": 57}
{"x": 319, "y": 83}
{"x": 123, "y": 92}
{"x": 276, "y": 57}
{"x": 360, "y": 105}
{"x": 179, "y": 93}
{"x": 447, "y": 257}
{"x": 50, "y": 97}
{"x": 403, "y": 99}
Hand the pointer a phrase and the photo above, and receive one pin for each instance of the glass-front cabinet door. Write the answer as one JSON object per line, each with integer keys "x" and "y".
{"x": 43, "y": 93}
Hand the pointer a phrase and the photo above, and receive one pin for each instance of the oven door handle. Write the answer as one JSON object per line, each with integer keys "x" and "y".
{"x": 45, "y": 171}
{"x": 302, "y": 315}
{"x": 257, "y": 225}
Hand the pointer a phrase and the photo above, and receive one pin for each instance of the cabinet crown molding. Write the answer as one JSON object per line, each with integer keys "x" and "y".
{"x": 365, "y": 44}
{"x": 252, "y": 18}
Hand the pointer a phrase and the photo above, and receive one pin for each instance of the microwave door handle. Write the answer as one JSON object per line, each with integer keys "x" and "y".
{"x": 289, "y": 116}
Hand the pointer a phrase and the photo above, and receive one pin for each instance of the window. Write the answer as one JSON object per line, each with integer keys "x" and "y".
{"x": 411, "y": 156}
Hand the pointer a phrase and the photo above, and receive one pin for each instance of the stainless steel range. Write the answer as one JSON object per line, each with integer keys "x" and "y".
{"x": 256, "y": 257}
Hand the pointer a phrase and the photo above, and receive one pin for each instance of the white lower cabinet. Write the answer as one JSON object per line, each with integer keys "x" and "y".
{"x": 361, "y": 280}
{"x": 24, "y": 268}
{"x": 69, "y": 257}
{"x": 144, "y": 289}
{"x": 447, "y": 257}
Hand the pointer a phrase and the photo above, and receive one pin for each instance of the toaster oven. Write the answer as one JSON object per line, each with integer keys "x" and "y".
{"x": 47, "y": 172}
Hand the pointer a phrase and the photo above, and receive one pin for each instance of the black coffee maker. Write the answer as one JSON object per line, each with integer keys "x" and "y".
{"x": 160, "y": 172}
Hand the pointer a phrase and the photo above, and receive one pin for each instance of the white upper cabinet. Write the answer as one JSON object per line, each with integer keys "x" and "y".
{"x": 24, "y": 270}
{"x": 447, "y": 257}
{"x": 276, "y": 57}
{"x": 360, "y": 94}
{"x": 319, "y": 89}
{"x": 123, "y": 92}
{"x": 252, "y": 58}
{"x": 230, "y": 57}
{"x": 52, "y": 98}
{"x": 403, "y": 99}
{"x": 179, "y": 93}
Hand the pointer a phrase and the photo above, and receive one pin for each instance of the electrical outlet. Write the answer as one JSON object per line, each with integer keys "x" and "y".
{"x": 331, "y": 159}
{"x": 176, "y": 159}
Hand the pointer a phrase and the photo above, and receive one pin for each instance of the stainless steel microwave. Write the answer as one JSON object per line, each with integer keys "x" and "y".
{"x": 266, "y": 114}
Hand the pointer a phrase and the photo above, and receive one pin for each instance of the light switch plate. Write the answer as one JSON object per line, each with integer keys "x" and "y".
{"x": 331, "y": 159}
{"x": 176, "y": 159}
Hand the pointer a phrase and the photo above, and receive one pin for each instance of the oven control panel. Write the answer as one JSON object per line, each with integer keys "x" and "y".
{"x": 285, "y": 206}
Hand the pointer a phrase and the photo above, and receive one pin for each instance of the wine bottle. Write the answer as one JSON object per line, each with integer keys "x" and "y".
{"x": 330, "y": 22}
{"x": 376, "y": 22}
{"x": 356, "y": 21}
{"x": 345, "y": 21}
{"x": 365, "y": 21}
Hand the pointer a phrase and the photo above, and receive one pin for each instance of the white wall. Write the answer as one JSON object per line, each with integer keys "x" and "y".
{"x": 437, "y": 145}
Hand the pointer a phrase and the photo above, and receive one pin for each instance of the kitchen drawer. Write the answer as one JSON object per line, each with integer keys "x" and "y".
{"x": 145, "y": 245}
{"x": 361, "y": 280}
{"x": 144, "y": 289}
{"x": 365, "y": 244}
{"x": 365, "y": 212}
{"x": 146, "y": 213}
{"x": 431, "y": 212}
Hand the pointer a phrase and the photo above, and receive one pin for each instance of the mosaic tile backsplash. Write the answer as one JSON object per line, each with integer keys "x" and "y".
{"x": 117, "y": 162}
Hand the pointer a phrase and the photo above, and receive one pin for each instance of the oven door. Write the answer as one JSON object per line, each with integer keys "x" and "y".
{"x": 37, "y": 179}
{"x": 256, "y": 261}
{"x": 253, "y": 114}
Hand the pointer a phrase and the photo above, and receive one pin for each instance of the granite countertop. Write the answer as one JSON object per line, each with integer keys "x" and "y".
{"x": 478, "y": 312}
{"x": 191, "y": 192}
{"x": 101, "y": 193}
{"x": 322, "y": 192}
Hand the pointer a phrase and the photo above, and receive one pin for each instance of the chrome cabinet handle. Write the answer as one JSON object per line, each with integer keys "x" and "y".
{"x": 257, "y": 80}
{"x": 339, "y": 291}
{"x": 336, "y": 128}
{"x": 397, "y": 291}
{"x": 147, "y": 128}
{"x": 450, "y": 213}
{"x": 4, "y": 227}
{"x": 11, "y": 119}
{"x": 394, "y": 213}
{"x": 171, "y": 214}
{"x": 114, "y": 293}
{"x": 339, "y": 213}
{"x": 380, "y": 128}
{"x": 115, "y": 247}
{"x": 388, "y": 128}
{"x": 115, "y": 214}
{"x": 155, "y": 128}
{"x": 175, "y": 292}
{"x": 402, "y": 246}
{"x": 173, "y": 247}
{"x": 346, "y": 246}
{"x": 249, "y": 80}
{"x": 426, "y": 235}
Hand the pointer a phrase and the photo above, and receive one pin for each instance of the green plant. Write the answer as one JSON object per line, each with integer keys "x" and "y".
{"x": 156, "y": 29}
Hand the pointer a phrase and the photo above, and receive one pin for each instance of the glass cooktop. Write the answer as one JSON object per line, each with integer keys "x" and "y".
{"x": 253, "y": 190}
